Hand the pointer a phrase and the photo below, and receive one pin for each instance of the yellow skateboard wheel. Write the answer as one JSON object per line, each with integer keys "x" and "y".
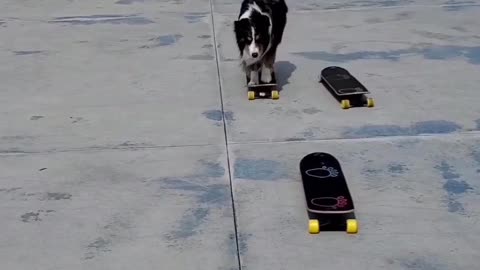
{"x": 251, "y": 95}
{"x": 275, "y": 94}
{"x": 370, "y": 102}
{"x": 313, "y": 226}
{"x": 345, "y": 104}
{"x": 352, "y": 226}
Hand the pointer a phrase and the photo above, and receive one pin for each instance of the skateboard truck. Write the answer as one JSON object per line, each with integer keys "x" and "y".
{"x": 345, "y": 88}
{"x": 263, "y": 90}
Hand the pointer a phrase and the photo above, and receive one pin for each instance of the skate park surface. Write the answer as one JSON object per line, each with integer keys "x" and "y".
{"x": 127, "y": 140}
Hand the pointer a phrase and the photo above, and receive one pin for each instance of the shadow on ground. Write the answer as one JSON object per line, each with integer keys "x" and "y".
{"x": 284, "y": 70}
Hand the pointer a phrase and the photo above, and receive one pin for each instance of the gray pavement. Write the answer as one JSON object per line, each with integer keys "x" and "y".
{"x": 126, "y": 134}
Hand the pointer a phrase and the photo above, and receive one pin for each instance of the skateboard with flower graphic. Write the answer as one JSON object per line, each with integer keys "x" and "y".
{"x": 326, "y": 192}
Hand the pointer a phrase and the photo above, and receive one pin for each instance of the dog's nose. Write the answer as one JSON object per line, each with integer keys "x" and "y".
{"x": 254, "y": 55}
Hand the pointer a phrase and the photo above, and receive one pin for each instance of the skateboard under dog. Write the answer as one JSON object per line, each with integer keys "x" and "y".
{"x": 345, "y": 87}
{"x": 263, "y": 90}
{"x": 326, "y": 193}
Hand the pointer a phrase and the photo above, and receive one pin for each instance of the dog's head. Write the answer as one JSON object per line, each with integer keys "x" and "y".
{"x": 252, "y": 35}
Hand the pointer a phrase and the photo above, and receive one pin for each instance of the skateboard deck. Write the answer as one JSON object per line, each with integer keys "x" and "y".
{"x": 345, "y": 87}
{"x": 263, "y": 90}
{"x": 326, "y": 190}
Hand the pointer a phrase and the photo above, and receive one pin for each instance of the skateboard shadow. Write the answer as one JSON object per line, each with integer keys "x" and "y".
{"x": 283, "y": 70}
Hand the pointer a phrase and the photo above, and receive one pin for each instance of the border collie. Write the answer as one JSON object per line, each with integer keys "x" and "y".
{"x": 258, "y": 31}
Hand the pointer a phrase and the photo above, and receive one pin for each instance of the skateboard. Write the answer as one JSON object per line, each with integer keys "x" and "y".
{"x": 345, "y": 87}
{"x": 263, "y": 90}
{"x": 326, "y": 193}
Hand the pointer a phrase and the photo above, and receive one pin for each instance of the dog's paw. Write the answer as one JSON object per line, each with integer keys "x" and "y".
{"x": 251, "y": 83}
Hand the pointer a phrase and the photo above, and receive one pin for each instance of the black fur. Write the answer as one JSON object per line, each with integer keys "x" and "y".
{"x": 277, "y": 10}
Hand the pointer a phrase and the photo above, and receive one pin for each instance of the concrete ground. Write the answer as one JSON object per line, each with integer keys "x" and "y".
{"x": 126, "y": 130}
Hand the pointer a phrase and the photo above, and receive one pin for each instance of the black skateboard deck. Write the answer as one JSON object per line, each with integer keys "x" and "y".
{"x": 326, "y": 191}
{"x": 345, "y": 87}
{"x": 263, "y": 90}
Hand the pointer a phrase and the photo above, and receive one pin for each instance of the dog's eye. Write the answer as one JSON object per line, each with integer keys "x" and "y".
{"x": 249, "y": 39}
{"x": 257, "y": 37}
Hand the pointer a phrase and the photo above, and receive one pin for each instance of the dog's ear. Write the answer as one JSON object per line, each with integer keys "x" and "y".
{"x": 240, "y": 27}
{"x": 237, "y": 28}
{"x": 240, "y": 24}
{"x": 236, "y": 25}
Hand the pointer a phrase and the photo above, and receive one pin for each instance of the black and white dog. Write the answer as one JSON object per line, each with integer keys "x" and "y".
{"x": 258, "y": 31}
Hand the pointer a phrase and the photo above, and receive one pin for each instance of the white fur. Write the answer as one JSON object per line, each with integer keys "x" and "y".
{"x": 253, "y": 78}
{"x": 247, "y": 58}
{"x": 266, "y": 74}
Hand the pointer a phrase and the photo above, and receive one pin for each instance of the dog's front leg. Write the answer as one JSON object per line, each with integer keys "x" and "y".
{"x": 253, "y": 78}
{"x": 266, "y": 74}
{"x": 267, "y": 66}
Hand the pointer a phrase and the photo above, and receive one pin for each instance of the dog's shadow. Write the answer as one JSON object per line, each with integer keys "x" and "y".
{"x": 283, "y": 71}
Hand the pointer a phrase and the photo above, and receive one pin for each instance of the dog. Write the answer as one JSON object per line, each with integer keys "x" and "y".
{"x": 258, "y": 31}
